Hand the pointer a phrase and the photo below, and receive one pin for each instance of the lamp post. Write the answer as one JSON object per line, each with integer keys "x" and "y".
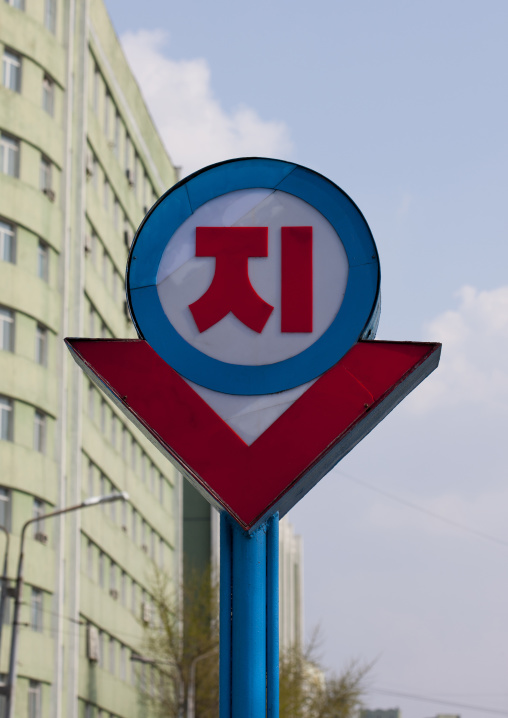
{"x": 3, "y": 593}
{"x": 191, "y": 694}
{"x": 11, "y": 679}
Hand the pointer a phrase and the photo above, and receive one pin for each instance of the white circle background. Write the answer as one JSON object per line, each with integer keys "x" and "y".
{"x": 182, "y": 278}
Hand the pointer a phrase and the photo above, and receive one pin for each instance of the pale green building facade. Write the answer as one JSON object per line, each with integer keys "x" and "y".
{"x": 80, "y": 163}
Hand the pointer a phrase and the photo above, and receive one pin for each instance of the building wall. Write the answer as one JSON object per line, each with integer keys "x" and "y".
{"x": 88, "y": 165}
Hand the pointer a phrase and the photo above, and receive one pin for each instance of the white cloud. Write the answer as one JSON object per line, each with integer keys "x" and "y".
{"x": 474, "y": 366}
{"x": 195, "y": 128}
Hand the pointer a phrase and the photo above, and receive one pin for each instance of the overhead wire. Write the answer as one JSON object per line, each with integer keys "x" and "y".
{"x": 437, "y": 701}
{"x": 423, "y": 510}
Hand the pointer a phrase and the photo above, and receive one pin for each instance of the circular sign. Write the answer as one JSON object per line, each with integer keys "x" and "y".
{"x": 253, "y": 276}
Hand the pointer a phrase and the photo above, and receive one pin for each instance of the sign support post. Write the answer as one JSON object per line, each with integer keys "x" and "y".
{"x": 249, "y": 620}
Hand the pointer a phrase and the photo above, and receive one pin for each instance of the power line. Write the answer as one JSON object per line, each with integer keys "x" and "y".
{"x": 426, "y": 699}
{"x": 421, "y": 509}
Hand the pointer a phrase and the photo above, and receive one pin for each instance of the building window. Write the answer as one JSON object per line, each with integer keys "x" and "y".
{"x": 111, "y": 654}
{"x": 96, "y": 81}
{"x": 134, "y": 525}
{"x": 161, "y": 553}
{"x": 112, "y": 510}
{"x": 34, "y": 699}
{"x": 6, "y": 419}
{"x": 91, "y": 401}
{"x": 112, "y": 576}
{"x": 95, "y": 172}
{"x": 38, "y": 511}
{"x": 127, "y": 156}
{"x": 6, "y": 329}
{"x": 40, "y": 432}
{"x": 124, "y": 516}
{"x": 107, "y": 104}
{"x": 7, "y": 242}
{"x": 45, "y": 175}
{"x": 117, "y": 133}
{"x": 48, "y": 95}
{"x": 41, "y": 345}
{"x": 103, "y": 416}
{"x": 106, "y": 195}
{"x": 133, "y": 596}
{"x": 114, "y": 422}
{"x": 89, "y": 555}
{"x": 5, "y": 509}
{"x": 9, "y": 155}
{"x": 103, "y": 489}
{"x": 101, "y": 569}
{"x": 36, "y": 610}
{"x": 123, "y": 663}
{"x": 50, "y": 15}
{"x": 19, "y": 4}
{"x": 43, "y": 261}
{"x": 123, "y": 588}
{"x": 105, "y": 267}
{"x": 133, "y": 455}
{"x": 12, "y": 71}
{"x": 101, "y": 648}
{"x": 161, "y": 489}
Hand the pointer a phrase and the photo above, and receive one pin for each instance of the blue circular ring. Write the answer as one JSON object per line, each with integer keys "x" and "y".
{"x": 356, "y": 319}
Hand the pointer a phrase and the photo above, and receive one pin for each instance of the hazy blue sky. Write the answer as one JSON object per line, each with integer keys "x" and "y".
{"x": 403, "y": 105}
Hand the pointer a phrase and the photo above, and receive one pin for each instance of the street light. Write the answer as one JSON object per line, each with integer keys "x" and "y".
{"x": 3, "y": 593}
{"x": 191, "y": 693}
{"x": 191, "y": 689}
{"x": 11, "y": 680}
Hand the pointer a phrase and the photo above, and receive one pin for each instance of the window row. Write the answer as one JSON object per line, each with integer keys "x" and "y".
{"x": 114, "y": 430}
{"x": 40, "y": 425}
{"x": 122, "y": 587}
{"x": 39, "y": 508}
{"x": 110, "y": 200}
{"x": 90, "y": 710}
{"x": 10, "y": 150}
{"x": 110, "y": 654}
{"x": 12, "y": 64}
{"x": 34, "y": 698}
{"x": 8, "y": 333}
{"x": 118, "y": 138}
{"x": 96, "y": 325}
{"x": 103, "y": 263}
{"x": 8, "y": 247}
{"x": 50, "y": 11}
{"x": 139, "y": 530}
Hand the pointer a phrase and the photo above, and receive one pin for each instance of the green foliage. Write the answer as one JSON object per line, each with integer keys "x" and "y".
{"x": 184, "y": 633}
{"x": 182, "y": 637}
{"x": 306, "y": 692}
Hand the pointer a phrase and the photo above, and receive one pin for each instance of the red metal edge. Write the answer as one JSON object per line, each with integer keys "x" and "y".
{"x": 290, "y": 457}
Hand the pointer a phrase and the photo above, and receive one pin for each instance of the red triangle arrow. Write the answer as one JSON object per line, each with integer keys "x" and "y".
{"x": 292, "y": 455}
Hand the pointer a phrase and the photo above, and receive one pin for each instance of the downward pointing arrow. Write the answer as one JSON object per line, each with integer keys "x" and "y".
{"x": 292, "y": 455}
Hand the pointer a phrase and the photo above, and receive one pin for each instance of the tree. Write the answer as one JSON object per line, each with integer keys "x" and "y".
{"x": 182, "y": 640}
{"x": 307, "y": 692}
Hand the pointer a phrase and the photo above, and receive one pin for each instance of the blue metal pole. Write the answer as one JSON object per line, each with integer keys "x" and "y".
{"x": 249, "y": 624}
{"x": 226, "y": 563}
{"x": 272, "y": 617}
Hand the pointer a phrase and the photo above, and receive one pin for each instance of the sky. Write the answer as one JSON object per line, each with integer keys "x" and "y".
{"x": 404, "y": 106}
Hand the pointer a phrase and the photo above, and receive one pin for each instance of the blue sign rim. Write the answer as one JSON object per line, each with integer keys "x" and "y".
{"x": 357, "y": 318}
